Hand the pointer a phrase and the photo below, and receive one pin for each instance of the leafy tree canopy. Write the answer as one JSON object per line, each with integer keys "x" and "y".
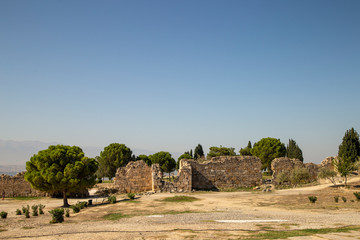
{"x": 294, "y": 151}
{"x": 246, "y": 151}
{"x": 268, "y": 149}
{"x": 350, "y": 147}
{"x": 61, "y": 169}
{"x": 198, "y": 152}
{"x": 145, "y": 158}
{"x": 165, "y": 161}
{"x": 221, "y": 151}
{"x": 114, "y": 156}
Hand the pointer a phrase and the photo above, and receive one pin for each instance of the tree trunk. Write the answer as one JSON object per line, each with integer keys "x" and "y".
{"x": 66, "y": 204}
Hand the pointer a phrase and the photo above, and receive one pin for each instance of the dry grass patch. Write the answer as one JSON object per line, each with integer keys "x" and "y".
{"x": 180, "y": 199}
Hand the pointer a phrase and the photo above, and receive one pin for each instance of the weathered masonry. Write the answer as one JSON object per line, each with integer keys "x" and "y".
{"x": 225, "y": 172}
{"x": 219, "y": 172}
{"x": 15, "y": 186}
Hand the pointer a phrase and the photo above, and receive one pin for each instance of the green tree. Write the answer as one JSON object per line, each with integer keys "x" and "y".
{"x": 221, "y": 151}
{"x": 61, "y": 169}
{"x": 268, "y": 149}
{"x": 294, "y": 151}
{"x": 114, "y": 156}
{"x": 145, "y": 158}
{"x": 326, "y": 173}
{"x": 165, "y": 161}
{"x": 101, "y": 172}
{"x": 344, "y": 166}
{"x": 198, "y": 152}
{"x": 183, "y": 156}
{"x": 246, "y": 151}
{"x": 349, "y": 149}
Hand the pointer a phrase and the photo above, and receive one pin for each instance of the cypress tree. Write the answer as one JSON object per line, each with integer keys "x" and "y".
{"x": 294, "y": 151}
{"x": 350, "y": 146}
{"x": 198, "y": 152}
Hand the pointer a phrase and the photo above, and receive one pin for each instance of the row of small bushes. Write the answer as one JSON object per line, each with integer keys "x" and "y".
{"x": 36, "y": 210}
{"x": 313, "y": 199}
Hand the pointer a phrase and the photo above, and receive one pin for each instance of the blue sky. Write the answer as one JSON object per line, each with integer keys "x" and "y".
{"x": 167, "y": 75}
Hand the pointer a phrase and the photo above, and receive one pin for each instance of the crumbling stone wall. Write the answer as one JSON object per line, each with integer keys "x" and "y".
{"x": 134, "y": 177}
{"x": 16, "y": 186}
{"x": 284, "y": 164}
{"x": 313, "y": 170}
{"x": 225, "y": 172}
{"x": 328, "y": 163}
{"x": 182, "y": 183}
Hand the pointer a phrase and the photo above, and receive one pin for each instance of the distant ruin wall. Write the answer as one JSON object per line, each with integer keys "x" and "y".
{"x": 16, "y": 186}
{"x": 285, "y": 164}
{"x": 134, "y": 177}
{"x": 328, "y": 163}
{"x": 181, "y": 183}
{"x": 225, "y": 172}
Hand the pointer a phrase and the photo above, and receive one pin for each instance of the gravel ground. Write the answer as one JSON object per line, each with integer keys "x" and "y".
{"x": 198, "y": 223}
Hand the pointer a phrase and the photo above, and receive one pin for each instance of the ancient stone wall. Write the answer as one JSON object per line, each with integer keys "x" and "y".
{"x": 134, "y": 177}
{"x": 284, "y": 164}
{"x": 225, "y": 172}
{"x": 313, "y": 170}
{"x": 328, "y": 163}
{"x": 181, "y": 183}
{"x": 16, "y": 186}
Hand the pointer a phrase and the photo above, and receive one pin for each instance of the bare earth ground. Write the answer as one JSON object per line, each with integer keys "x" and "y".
{"x": 148, "y": 217}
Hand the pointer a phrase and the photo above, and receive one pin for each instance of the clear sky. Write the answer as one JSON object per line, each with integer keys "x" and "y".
{"x": 167, "y": 75}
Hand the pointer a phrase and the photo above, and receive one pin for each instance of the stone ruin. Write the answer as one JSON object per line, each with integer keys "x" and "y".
{"x": 16, "y": 186}
{"x": 219, "y": 172}
{"x": 225, "y": 172}
{"x": 286, "y": 164}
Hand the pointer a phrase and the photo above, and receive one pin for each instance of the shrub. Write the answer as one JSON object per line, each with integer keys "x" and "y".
{"x": 336, "y": 198}
{"x": 67, "y": 212}
{"x": 131, "y": 196}
{"x": 18, "y": 212}
{"x": 299, "y": 175}
{"x": 41, "y": 207}
{"x": 112, "y": 199}
{"x": 344, "y": 199}
{"x": 34, "y": 210}
{"x": 75, "y": 208}
{"x": 57, "y": 215}
{"x": 24, "y": 208}
{"x": 3, "y": 214}
{"x": 82, "y": 205}
{"x": 283, "y": 177}
{"x": 105, "y": 192}
{"x": 27, "y": 213}
{"x": 352, "y": 200}
{"x": 312, "y": 199}
{"x": 357, "y": 195}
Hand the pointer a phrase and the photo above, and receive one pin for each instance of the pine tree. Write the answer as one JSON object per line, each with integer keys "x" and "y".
{"x": 294, "y": 151}
{"x": 350, "y": 146}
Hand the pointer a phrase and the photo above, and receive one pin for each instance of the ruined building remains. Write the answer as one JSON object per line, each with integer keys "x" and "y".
{"x": 219, "y": 172}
